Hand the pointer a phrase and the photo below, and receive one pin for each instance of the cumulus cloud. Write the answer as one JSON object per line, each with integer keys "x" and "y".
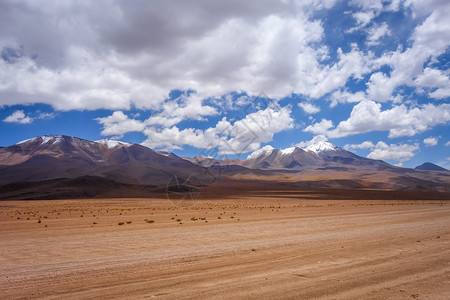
{"x": 344, "y": 96}
{"x": 430, "y": 39}
{"x": 431, "y": 141}
{"x": 118, "y": 124}
{"x": 432, "y": 78}
{"x": 399, "y": 152}
{"x": 321, "y": 128}
{"x": 46, "y": 116}
{"x": 18, "y": 117}
{"x": 102, "y": 54}
{"x": 367, "y": 116}
{"x": 363, "y": 145}
{"x": 440, "y": 93}
{"x": 368, "y": 10}
{"x": 229, "y": 136}
{"x": 186, "y": 107}
{"x": 376, "y": 33}
{"x": 309, "y": 108}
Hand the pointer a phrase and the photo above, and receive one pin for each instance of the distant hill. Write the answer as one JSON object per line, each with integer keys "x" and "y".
{"x": 430, "y": 167}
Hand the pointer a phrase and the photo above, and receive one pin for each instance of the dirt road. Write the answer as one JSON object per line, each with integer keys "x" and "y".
{"x": 249, "y": 247}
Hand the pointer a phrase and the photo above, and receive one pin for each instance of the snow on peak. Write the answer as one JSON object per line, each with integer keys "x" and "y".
{"x": 263, "y": 151}
{"x": 44, "y": 139}
{"x": 288, "y": 151}
{"x": 26, "y": 141}
{"x": 321, "y": 146}
{"x": 113, "y": 143}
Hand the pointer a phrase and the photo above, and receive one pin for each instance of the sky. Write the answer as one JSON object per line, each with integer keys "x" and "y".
{"x": 226, "y": 78}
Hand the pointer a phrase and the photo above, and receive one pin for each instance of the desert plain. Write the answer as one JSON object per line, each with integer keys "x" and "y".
{"x": 269, "y": 245}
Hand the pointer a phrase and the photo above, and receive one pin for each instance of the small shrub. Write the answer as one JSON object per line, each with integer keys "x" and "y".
{"x": 149, "y": 221}
{"x": 128, "y": 222}
{"x": 121, "y": 223}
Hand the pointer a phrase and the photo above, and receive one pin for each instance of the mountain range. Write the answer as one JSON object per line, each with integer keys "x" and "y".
{"x": 62, "y": 163}
{"x": 51, "y": 157}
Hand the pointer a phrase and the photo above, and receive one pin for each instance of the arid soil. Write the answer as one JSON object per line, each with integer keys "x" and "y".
{"x": 247, "y": 247}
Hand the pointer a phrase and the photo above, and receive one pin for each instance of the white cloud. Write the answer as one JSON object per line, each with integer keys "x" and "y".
{"x": 430, "y": 39}
{"x": 186, "y": 107}
{"x": 320, "y": 128}
{"x": 18, "y": 117}
{"x": 363, "y": 145}
{"x": 106, "y": 56}
{"x": 369, "y": 10}
{"x": 447, "y": 144}
{"x": 432, "y": 78}
{"x": 440, "y": 93}
{"x": 394, "y": 5}
{"x": 398, "y": 152}
{"x": 344, "y": 96}
{"x": 363, "y": 17}
{"x": 118, "y": 124}
{"x": 367, "y": 116}
{"x": 431, "y": 141}
{"x": 309, "y": 108}
{"x": 242, "y": 136}
{"x": 375, "y": 33}
{"x": 46, "y": 116}
{"x": 102, "y": 55}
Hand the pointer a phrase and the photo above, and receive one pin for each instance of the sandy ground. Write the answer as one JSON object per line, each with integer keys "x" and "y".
{"x": 252, "y": 247}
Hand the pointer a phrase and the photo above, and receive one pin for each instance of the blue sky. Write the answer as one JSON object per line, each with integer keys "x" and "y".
{"x": 224, "y": 79}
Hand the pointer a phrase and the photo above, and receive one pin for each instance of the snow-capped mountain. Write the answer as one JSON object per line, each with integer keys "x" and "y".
{"x": 320, "y": 147}
{"x": 266, "y": 150}
{"x": 53, "y": 156}
{"x": 320, "y": 155}
{"x": 113, "y": 143}
{"x": 317, "y": 148}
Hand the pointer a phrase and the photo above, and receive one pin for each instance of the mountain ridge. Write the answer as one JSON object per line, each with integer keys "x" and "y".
{"x": 428, "y": 166}
{"x": 322, "y": 165}
{"x": 50, "y": 157}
